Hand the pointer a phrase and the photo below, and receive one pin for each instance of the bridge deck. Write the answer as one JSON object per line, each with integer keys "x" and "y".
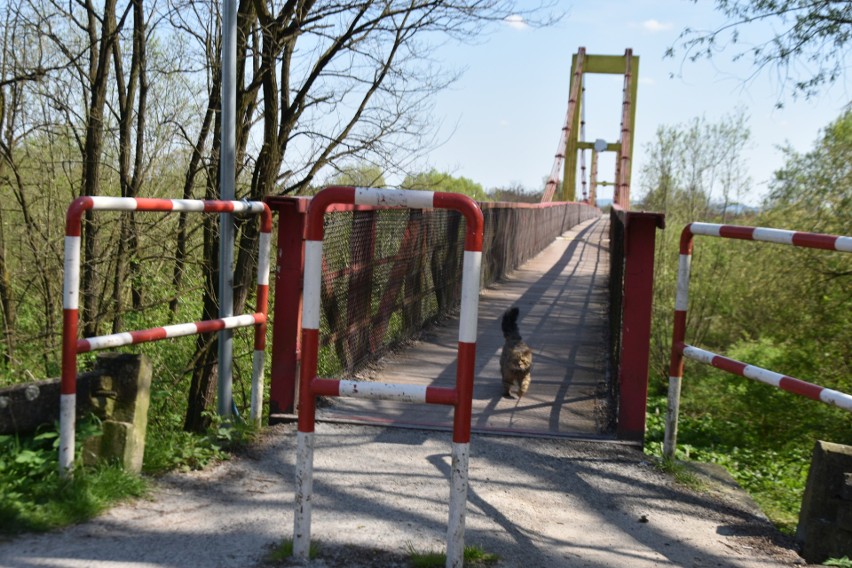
{"x": 562, "y": 295}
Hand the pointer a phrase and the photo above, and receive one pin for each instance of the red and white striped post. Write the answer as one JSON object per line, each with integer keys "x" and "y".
{"x": 71, "y": 346}
{"x": 460, "y": 397}
{"x": 681, "y": 349}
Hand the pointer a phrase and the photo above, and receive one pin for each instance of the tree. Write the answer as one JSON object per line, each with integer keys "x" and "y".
{"x": 326, "y": 83}
{"x": 359, "y": 176}
{"x": 805, "y": 41}
{"x": 694, "y": 171}
{"x": 122, "y": 98}
{"x": 814, "y": 189}
{"x": 433, "y": 180}
{"x": 516, "y": 193}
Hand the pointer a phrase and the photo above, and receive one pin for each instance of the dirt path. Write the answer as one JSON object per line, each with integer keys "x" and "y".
{"x": 534, "y": 502}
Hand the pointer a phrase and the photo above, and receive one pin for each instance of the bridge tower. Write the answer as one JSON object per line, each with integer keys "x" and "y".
{"x": 572, "y": 146}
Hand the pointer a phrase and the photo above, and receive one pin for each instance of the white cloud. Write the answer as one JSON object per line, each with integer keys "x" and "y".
{"x": 655, "y": 26}
{"x": 516, "y": 22}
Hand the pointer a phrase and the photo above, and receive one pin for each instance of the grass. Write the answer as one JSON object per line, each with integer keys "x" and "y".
{"x": 681, "y": 473}
{"x": 473, "y": 556}
{"x": 285, "y": 550}
{"x": 51, "y": 502}
{"x": 34, "y": 498}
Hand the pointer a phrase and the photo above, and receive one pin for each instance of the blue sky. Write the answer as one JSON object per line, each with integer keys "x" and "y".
{"x": 502, "y": 119}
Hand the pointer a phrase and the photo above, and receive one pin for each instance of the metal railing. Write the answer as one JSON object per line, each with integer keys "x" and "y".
{"x": 71, "y": 345}
{"x": 681, "y": 350}
{"x": 388, "y": 273}
{"x": 460, "y": 397}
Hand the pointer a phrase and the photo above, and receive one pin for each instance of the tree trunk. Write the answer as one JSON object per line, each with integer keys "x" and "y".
{"x": 127, "y": 263}
{"x": 99, "y": 75}
{"x": 205, "y": 373}
{"x": 195, "y": 166}
{"x": 7, "y": 302}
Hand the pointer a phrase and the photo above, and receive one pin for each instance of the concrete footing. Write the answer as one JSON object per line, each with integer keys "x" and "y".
{"x": 825, "y": 520}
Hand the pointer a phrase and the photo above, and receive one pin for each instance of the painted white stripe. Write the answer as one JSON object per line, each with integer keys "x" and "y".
{"x": 836, "y": 398}
{"x": 240, "y": 206}
{"x": 71, "y": 285}
{"x": 312, "y": 287}
{"x": 114, "y": 203}
{"x": 394, "y": 197}
{"x": 244, "y": 320}
{"x": 766, "y": 376}
{"x": 707, "y": 229}
{"x": 843, "y": 244}
{"x": 683, "y": 270}
{"x": 181, "y": 329}
{"x": 255, "y": 207}
{"x": 257, "y": 361}
{"x": 470, "y": 296}
{"x": 187, "y": 205}
{"x": 247, "y": 206}
{"x": 763, "y": 375}
{"x": 698, "y": 354}
{"x": 177, "y": 330}
{"x": 458, "y": 504}
{"x": 263, "y": 259}
{"x": 672, "y": 413}
{"x": 109, "y": 341}
{"x": 773, "y": 235}
{"x": 304, "y": 494}
{"x": 67, "y": 426}
{"x": 383, "y": 391}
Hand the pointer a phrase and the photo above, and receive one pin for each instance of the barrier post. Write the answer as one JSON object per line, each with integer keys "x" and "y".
{"x": 71, "y": 346}
{"x": 287, "y": 322}
{"x": 460, "y": 397}
{"x": 638, "y": 289}
{"x": 678, "y": 339}
{"x": 681, "y": 350}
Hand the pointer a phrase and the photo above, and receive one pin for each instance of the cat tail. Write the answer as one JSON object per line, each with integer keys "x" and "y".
{"x": 510, "y": 323}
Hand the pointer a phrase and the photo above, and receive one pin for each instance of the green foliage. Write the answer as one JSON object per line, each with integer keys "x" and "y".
{"x": 433, "y": 180}
{"x": 844, "y": 562}
{"x": 680, "y": 472}
{"x": 473, "y": 556}
{"x": 362, "y": 175}
{"x": 285, "y": 550}
{"x": 176, "y": 449}
{"x": 34, "y": 498}
{"x": 517, "y": 193}
{"x": 768, "y": 305}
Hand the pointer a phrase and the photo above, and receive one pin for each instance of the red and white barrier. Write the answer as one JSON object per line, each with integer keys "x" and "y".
{"x": 681, "y": 350}
{"x": 460, "y": 397}
{"x": 71, "y": 346}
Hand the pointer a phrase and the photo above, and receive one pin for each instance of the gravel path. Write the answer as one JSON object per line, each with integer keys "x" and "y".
{"x": 534, "y": 502}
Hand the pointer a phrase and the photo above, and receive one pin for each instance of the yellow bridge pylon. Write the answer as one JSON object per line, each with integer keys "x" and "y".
{"x": 572, "y": 145}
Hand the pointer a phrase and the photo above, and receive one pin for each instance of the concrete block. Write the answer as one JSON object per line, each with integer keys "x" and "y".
{"x": 822, "y": 532}
{"x": 125, "y": 387}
